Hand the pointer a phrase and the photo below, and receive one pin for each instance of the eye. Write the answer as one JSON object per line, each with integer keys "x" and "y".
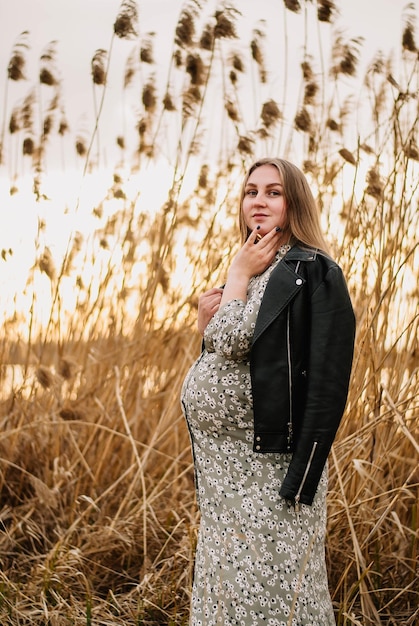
{"x": 251, "y": 192}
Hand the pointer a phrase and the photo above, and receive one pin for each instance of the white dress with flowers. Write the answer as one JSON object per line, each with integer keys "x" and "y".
{"x": 257, "y": 561}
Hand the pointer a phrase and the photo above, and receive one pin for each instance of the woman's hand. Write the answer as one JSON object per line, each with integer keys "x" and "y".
{"x": 256, "y": 254}
{"x": 208, "y": 304}
{"x": 253, "y": 258}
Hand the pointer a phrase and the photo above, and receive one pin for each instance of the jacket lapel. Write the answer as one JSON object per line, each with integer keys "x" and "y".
{"x": 283, "y": 285}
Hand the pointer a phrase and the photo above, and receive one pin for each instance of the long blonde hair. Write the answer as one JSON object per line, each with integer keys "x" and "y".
{"x": 302, "y": 212}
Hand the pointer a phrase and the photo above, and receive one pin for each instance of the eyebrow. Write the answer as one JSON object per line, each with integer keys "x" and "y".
{"x": 268, "y": 185}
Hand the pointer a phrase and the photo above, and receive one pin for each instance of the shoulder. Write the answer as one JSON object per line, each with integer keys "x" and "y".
{"x": 317, "y": 268}
{"x": 312, "y": 258}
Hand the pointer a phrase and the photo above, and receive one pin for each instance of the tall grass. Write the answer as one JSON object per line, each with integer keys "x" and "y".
{"x": 98, "y": 516}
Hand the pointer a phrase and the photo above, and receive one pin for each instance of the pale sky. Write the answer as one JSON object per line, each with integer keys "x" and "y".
{"x": 81, "y": 27}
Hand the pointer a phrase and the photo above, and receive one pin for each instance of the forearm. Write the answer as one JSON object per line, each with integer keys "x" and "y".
{"x": 235, "y": 288}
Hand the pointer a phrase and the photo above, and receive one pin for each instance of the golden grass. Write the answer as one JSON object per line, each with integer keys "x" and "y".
{"x": 98, "y": 517}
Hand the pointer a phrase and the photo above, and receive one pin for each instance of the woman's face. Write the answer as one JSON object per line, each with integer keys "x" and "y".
{"x": 264, "y": 202}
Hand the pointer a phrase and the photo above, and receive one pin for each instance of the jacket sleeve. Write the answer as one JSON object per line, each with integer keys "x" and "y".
{"x": 331, "y": 344}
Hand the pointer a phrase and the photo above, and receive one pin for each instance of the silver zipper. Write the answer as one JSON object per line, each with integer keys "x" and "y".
{"x": 306, "y": 471}
{"x": 290, "y": 433}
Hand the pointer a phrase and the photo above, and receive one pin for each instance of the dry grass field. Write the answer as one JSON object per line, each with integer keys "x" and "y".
{"x": 97, "y": 507}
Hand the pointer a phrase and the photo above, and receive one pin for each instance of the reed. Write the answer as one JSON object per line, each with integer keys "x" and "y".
{"x": 98, "y": 513}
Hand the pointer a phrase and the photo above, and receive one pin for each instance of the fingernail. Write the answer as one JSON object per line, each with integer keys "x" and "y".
{"x": 278, "y": 229}
{"x": 257, "y": 227}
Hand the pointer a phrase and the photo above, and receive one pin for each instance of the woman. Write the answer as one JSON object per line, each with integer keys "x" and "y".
{"x": 263, "y": 403}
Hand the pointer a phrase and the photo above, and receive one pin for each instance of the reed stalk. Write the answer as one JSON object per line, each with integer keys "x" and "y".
{"x": 98, "y": 513}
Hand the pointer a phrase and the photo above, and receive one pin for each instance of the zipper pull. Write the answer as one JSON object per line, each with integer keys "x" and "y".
{"x": 297, "y": 503}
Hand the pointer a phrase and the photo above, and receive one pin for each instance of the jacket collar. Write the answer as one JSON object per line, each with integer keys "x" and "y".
{"x": 298, "y": 253}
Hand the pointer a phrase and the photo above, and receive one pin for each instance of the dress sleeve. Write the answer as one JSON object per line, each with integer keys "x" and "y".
{"x": 230, "y": 331}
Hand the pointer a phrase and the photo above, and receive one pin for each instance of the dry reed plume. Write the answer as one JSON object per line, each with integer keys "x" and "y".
{"x": 98, "y": 518}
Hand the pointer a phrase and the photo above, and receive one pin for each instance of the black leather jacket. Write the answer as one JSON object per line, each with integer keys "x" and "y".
{"x": 300, "y": 365}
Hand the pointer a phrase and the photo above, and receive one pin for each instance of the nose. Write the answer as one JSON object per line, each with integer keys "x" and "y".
{"x": 259, "y": 200}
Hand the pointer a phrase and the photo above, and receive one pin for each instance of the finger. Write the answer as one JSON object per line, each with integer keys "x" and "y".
{"x": 216, "y": 305}
{"x": 271, "y": 238}
{"x": 208, "y": 303}
{"x": 211, "y": 303}
{"x": 254, "y": 236}
{"x": 275, "y": 232}
{"x": 212, "y": 291}
{"x": 213, "y": 296}
{"x": 208, "y": 296}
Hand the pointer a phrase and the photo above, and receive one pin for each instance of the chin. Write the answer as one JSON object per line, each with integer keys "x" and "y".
{"x": 263, "y": 230}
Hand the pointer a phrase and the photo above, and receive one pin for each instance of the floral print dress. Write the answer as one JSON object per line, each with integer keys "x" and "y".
{"x": 257, "y": 560}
